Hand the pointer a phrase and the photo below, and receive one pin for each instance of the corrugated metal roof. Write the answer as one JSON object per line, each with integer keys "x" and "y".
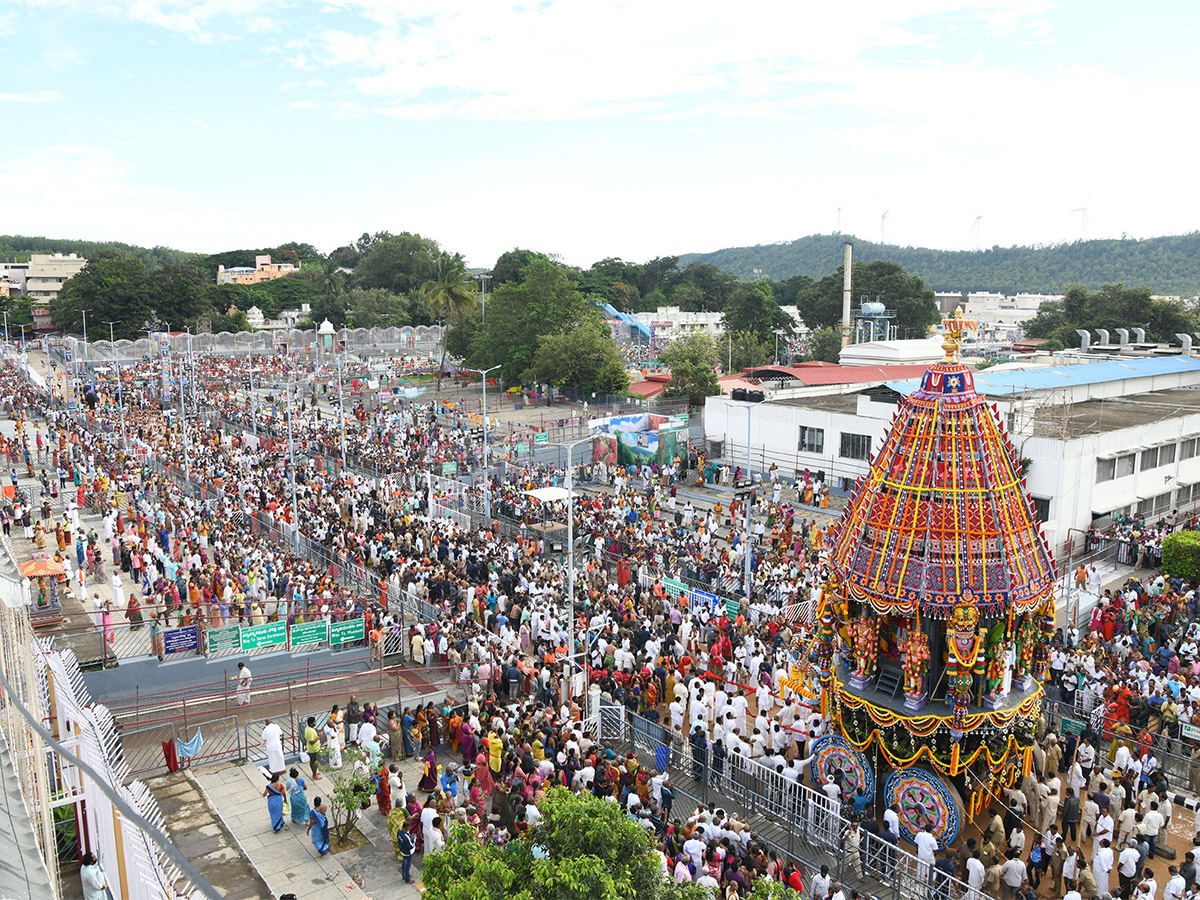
{"x": 1044, "y": 378}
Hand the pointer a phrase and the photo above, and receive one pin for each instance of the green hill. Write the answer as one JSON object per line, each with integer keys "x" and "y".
{"x": 1167, "y": 265}
{"x": 18, "y": 247}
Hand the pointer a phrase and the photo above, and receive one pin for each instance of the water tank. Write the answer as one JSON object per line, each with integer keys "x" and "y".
{"x": 738, "y": 394}
{"x": 872, "y": 309}
{"x": 755, "y": 396}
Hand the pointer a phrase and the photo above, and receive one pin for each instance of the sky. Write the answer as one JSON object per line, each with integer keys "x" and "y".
{"x": 596, "y": 128}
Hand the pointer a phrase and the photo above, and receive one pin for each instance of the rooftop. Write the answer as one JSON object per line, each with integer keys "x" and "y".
{"x": 843, "y": 403}
{"x": 1007, "y": 384}
{"x": 822, "y": 373}
{"x": 1096, "y": 416}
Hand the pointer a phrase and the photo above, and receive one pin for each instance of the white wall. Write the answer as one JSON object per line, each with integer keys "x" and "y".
{"x": 1064, "y": 472}
{"x": 775, "y": 435}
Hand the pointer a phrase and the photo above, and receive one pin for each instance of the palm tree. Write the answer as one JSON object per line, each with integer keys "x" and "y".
{"x": 331, "y": 280}
{"x": 450, "y": 294}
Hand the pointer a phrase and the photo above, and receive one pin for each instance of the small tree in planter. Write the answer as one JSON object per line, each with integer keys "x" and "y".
{"x": 1181, "y": 555}
{"x": 352, "y": 789}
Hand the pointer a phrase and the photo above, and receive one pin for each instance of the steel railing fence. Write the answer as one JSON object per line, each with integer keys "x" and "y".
{"x": 795, "y": 817}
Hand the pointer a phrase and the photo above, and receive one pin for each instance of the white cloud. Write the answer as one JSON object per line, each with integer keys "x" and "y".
{"x": 559, "y": 60}
{"x": 30, "y": 96}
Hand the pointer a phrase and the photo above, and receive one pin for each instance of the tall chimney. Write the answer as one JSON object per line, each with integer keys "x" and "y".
{"x": 847, "y": 280}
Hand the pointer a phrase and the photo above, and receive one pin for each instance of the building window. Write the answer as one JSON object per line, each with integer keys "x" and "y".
{"x": 1187, "y": 449}
{"x": 1106, "y": 470}
{"x": 856, "y": 446}
{"x": 1126, "y": 464}
{"x": 1041, "y": 508}
{"x": 1154, "y": 505}
{"x": 1150, "y": 459}
{"x": 1183, "y": 496}
{"x": 1166, "y": 454}
{"x": 812, "y": 440}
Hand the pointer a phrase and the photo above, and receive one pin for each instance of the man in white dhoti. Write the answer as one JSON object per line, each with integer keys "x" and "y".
{"x": 272, "y": 738}
{"x": 243, "y": 679}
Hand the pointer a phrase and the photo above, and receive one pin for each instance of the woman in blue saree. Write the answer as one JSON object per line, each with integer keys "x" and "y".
{"x": 318, "y": 826}
{"x": 297, "y": 799}
{"x": 274, "y": 795}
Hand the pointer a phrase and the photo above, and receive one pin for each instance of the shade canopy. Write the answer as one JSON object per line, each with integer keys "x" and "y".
{"x": 549, "y": 494}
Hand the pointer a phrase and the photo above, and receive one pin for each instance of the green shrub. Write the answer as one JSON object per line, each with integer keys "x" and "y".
{"x": 1181, "y": 555}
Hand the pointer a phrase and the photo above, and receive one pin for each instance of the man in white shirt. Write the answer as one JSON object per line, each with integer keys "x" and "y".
{"x": 821, "y": 883}
{"x": 1175, "y": 886}
{"x": 927, "y": 846}
{"x": 892, "y": 817}
{"x": 1127, "y": 867}
{"x": 1102, "y": 863}
{"x": 694, "y": 847}
{"x": 1012, "y": 873}
{"x": 1104, "y": 832}
{"x": 975, "y": 875}
{"x": 1153, "y": 822}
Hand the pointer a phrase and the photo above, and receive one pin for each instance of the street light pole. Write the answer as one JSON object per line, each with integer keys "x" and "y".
{"x": 487, "y": 493}
{"x": 483, "y": 280}
{"x": 120, "y": 385}
{"x": 341, "y": 410}
{"x": 292, "y": 462}
{"x": 749, "y": 494}
{"x": 570, "y": 485}
{"x": 187, "y": 449}
{"x": 78, "y": 354}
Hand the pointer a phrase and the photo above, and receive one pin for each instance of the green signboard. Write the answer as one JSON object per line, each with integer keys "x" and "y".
{"x": 541, "y": 438}
{"x": 674, "y": 588}
{"x": 1191, "y": 732}
{"x": 732, "y": 607}
{"x": 217, "y": 640}
{"x": 449, "y": 468}
{"x": 308, "y": 633}
{"x": 269, "y": 635}
{"x": 350, "y": 630}
{"x": 1072, "y": 726}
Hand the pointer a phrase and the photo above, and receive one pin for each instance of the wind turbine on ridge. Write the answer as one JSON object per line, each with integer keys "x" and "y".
{"x": 1082, "y": 210}
{"x": 883, "y": 227}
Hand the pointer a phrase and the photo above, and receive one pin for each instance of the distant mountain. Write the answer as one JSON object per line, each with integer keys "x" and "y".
{"x": 1166, "y": 265}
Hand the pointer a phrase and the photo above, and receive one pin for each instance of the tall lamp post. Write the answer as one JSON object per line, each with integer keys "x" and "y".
{"x": 78, "y": 355}
{"x": 483, "y": 280}
{"x": 749, "y": 493}
{"x": 120, "y": 385}
{"x": 570, "y": 486}
{"x": 487, "y": 493}
{"x": 341, "y": 404}
{"x": 292, "y": 463}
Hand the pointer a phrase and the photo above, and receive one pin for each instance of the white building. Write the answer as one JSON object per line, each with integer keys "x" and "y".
{"x": 48, "y": 272}
{"x": 892, "y": 353}
{"x": 997, "y": 314}
{"x": 669, "y": 323}
{"x": 1102, "y": 439}
{"x": 13, "y": 274}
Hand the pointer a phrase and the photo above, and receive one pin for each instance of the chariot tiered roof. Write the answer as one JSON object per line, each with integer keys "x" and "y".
{"x": 943, "y": 516}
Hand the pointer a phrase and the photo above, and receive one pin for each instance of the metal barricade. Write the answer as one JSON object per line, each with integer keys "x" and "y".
{"x": 142, "y": 749}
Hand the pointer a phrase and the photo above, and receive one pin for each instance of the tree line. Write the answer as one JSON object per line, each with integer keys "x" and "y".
{"x": 1168, "y": 265}
{"x": 543, "y": 321}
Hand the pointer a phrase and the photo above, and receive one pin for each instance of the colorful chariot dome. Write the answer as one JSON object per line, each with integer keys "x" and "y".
{"x": 942, "y": 517}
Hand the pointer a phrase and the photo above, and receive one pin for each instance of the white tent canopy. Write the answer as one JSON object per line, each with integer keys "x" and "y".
{"x": 549, "y": 494}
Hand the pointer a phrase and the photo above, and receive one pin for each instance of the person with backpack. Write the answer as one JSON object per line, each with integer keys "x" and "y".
{"x": 406, "y": 845}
